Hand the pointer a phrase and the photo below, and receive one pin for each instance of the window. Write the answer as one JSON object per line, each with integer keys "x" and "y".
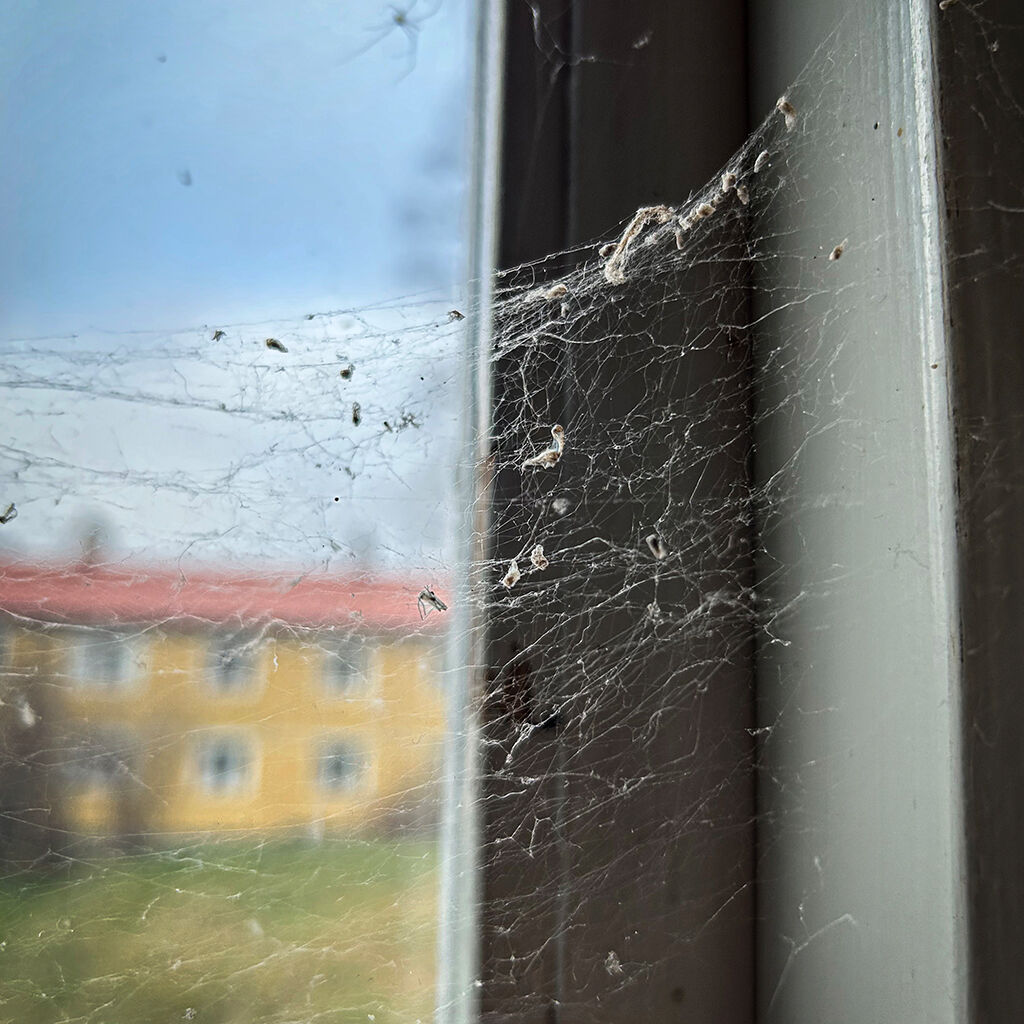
{"x": 232, "y": 428}
{"x": 106, "y": 660}
{"x": 105, "y": 760}
{"x": 225, "y": 764}
{"x": 342, "y": 765}
{"x": 345, "y": 670}
{"x": 233, "y": 665}
{"x": 728, "y": 584}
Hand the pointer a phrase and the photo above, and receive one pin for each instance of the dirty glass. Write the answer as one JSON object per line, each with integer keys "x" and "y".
{"x": 232, "y": 239}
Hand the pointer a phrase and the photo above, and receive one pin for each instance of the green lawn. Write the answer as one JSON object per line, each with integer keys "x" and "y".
{"x": 226, "y": 932}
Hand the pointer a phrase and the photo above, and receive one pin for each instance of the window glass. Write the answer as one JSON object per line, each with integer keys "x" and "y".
{"x": 232, "y": 293}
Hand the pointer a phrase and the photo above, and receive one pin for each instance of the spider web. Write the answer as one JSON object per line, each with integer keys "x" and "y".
{"x": 646, "y": 532}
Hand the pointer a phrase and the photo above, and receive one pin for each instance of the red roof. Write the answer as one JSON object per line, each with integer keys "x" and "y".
{"x": 143, "y": 594}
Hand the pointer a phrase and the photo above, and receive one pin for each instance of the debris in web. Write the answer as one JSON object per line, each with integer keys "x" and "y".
{"x": 612, "y": 965}
{"x": 512, "y": 576}
{"x": 614, "y": 269}
{"x": 788, "y": 111}
{"x": 550, "y": 456}
{"x": 658, "y": 547}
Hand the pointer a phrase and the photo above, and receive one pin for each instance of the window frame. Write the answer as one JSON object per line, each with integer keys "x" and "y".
{"x": 971, "y": 312}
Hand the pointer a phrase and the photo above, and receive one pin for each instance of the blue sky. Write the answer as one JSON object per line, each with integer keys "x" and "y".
{"x": 195, "y": 160}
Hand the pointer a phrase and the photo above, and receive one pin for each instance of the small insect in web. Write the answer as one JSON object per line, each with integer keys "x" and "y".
{"x": 550, "y": 456}
{"x": 276, "y": 345}
{"x": 8, "y": 514}
{"x": 538, "y": 558}
{"x": 743, "y": 194}
{"x": 346, "y": 373}
{"x": 217, "y": 335}
{"x": 761, "y": 162}
{"x": 357, "y": 414}
{"x": 428, "y": 601}
{"x": 401, "y": 19}
{"x": 454, "y": 314}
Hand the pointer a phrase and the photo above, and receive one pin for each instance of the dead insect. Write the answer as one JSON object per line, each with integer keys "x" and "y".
{"x": 275, "y": 345}
{"x": 743, "y": 194}
{"x": 9, "y": 513}
{"x": 309, "y": 316}
{"x": 454, "y": 314}
{"x": 512, "y": 576}
{"x": 346, "y": 374}
{"x": 217, "y": 335}
{"x": 838, "y": 250}
{"x": 761, "y": 162}
{"x": 550, "y": 456}
{"x": 357, "y": 414}
{"x": 539, "y": 559}
{"x": 658, "y": 547}
{"x": 556, "y": 291}
{"x": 788, "y": 111}
{"x": 606, "y": 250}
{"x": 428, "y": 600}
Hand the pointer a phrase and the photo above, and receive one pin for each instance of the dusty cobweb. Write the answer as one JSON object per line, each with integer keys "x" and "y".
{"x": 297, "y": 501}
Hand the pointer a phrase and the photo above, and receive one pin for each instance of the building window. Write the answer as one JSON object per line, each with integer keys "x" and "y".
{"x": 102, "y": 659}
{"x": 226, "y": 764}
{"x": 345, "y": 670}
{"x": 101, "y": 761}
{"x": 342, "y": 765}
{"x": 231, "y": 665}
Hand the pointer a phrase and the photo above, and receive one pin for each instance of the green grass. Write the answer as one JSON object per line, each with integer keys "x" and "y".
{"x": 228, "y": 932}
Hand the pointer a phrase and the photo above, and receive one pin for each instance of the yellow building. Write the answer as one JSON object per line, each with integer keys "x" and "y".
{"x": 143, "y": 703}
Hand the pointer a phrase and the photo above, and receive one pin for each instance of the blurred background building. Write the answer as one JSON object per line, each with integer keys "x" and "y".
{"x": 141, "y": 706}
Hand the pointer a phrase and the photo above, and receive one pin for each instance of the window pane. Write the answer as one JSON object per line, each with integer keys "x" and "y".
{"x": 232, "y": 261}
